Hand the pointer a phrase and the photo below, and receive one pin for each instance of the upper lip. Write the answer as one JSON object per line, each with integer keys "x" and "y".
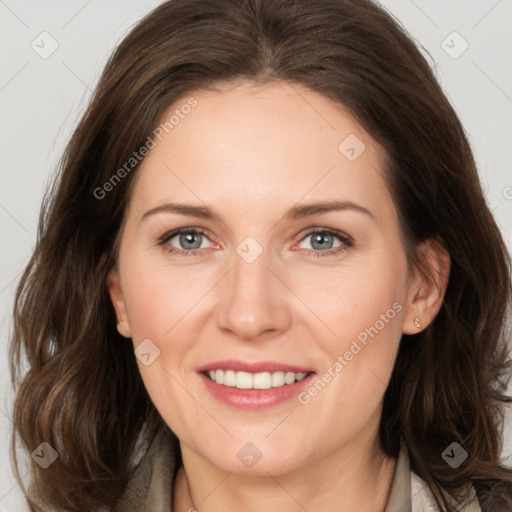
{"x": 253, "y": 367}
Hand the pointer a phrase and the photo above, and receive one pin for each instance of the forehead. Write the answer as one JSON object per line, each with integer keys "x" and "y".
{"x": 257, "y": 144}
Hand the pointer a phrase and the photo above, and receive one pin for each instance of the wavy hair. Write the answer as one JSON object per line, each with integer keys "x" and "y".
{"x": 81, "y": 390}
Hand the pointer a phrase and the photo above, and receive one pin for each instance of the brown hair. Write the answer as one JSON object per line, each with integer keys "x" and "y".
{"x": 83, "y": 393}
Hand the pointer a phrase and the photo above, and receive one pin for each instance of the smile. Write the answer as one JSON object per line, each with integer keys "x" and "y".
{"x": 261, "y": 380}
{"x": 252, "y": 385}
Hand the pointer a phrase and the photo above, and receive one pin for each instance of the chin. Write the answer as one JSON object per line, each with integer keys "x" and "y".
{"x": 256, "y": 458}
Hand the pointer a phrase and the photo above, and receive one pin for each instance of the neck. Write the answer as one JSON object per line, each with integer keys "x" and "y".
{"x": 345, "y": 480}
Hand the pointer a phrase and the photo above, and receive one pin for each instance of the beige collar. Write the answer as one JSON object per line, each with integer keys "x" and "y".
{"x": 409, "y": 493}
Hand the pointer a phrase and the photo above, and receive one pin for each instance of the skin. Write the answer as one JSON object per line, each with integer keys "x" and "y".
{"x": 250, "y": 152}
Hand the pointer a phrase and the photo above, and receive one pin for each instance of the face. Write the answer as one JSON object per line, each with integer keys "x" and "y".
{"x": 307, "y": 305}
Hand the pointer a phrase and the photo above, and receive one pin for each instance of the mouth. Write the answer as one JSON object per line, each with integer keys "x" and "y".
{"x": 254, "y": 385}
{"x": 260, "y": 380}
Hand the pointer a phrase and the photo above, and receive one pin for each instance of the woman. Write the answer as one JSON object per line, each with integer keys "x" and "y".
{"x": 331, "y": 340}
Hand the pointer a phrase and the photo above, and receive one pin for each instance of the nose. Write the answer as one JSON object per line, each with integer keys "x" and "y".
{"x": 255, "y": 300}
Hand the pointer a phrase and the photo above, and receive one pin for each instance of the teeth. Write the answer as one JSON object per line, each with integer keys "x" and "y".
{"x": 277, "y": 379}
{"x": 243, "y": 380}
{"x": 289, "y": 378}
{"x": 262, "y": 380}
{"x": 246, "y": 380}
{"x": 229, "y": 378}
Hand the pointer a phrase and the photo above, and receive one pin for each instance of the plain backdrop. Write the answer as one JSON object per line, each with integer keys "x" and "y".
{"x": 42, "y": 96}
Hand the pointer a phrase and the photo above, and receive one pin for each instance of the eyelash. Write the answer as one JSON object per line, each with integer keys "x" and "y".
{"x": 346, "y": 240}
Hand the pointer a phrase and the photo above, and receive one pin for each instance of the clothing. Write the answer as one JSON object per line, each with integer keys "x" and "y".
{"x": 409, "y": 493}
{"x": 150, "y": 487}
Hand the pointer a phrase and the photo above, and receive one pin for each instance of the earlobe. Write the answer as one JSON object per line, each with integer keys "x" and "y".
{"x": 117, "y": 298}
{"x": 428, "y": 287}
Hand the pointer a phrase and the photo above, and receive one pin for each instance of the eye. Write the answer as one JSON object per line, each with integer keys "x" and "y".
{"x": 189, "y": 241}
{"x": 323, "y": 242}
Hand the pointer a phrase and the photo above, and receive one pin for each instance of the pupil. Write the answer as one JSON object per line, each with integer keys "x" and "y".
{"x": 318, "y": 239}
{"x": 188, "y": 238}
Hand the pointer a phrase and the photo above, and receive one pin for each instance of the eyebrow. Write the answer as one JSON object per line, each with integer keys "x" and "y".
{"x": 294, "y": 213}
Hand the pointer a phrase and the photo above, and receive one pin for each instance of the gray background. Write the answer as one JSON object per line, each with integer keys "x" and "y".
{"x": 41, "y": 99}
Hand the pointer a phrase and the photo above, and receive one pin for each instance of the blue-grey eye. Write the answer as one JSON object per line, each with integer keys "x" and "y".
{"x": 191, "y": 240}
{"x": 322, "y": 240}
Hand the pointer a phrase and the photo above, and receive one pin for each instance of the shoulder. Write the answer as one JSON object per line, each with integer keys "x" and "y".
{"x": 422, "y": 499}
{"x": 409, "y": 493}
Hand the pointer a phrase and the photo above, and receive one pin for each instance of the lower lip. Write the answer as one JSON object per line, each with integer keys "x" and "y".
{"x": 254, "y": 398}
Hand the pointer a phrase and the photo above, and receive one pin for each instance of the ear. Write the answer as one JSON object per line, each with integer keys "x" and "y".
{"x": 117, "y": 298}
{"x": 427, "y": 286}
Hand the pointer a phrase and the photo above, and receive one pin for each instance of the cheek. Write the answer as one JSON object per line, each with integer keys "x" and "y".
{"x": 363, "y": 309}
{"x": 160, "y": 308}
{"x": 160, "y": 300}
{"x": 356, "y": 298}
